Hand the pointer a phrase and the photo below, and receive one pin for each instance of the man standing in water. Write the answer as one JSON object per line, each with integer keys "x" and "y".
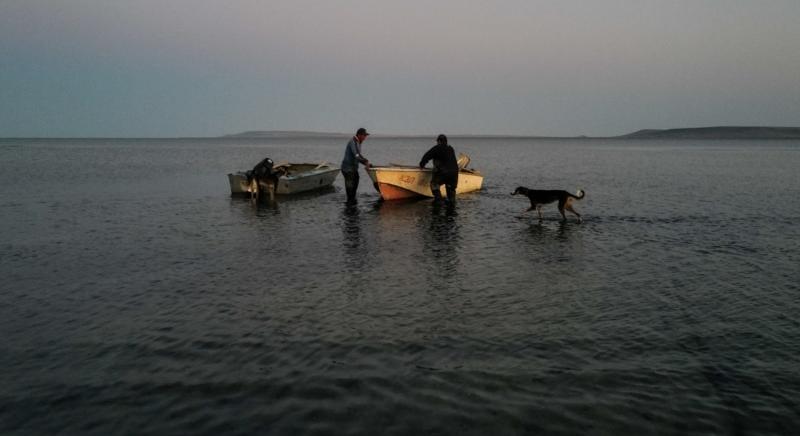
{"x": 445, "y": 169}
{"x": 352, "y": 156}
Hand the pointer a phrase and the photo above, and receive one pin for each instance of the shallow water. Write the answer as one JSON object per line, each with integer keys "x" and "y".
{"x": 138, "y": 297}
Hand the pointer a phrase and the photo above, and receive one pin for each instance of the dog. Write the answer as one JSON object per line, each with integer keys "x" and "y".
{"x": 539, "y": 198}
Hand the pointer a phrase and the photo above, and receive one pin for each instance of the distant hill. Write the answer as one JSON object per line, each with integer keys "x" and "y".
{"x": 721, "y": 132}
{"x": 726, "y": 132}
{"x": 284, "y": 134}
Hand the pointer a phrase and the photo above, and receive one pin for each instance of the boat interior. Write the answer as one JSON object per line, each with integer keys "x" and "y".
{"x": 292, "y": 169}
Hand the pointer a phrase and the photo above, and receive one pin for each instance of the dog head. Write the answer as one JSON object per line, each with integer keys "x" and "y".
{"x": 520, "y": 190}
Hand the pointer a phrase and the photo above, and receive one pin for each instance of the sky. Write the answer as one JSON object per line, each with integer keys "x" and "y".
{"x": 178, "y": 68}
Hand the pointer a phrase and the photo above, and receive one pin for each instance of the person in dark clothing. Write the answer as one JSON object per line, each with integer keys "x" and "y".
{"x": 264, "y": 173}
{"x": 352, "y": 157}
{"x": 445, "y": 169}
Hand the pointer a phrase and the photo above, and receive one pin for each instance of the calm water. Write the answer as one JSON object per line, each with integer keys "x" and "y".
{"x": 139, "y": 298}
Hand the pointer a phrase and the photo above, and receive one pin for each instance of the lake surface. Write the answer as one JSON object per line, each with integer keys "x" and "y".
{"x": 138, "y": 297}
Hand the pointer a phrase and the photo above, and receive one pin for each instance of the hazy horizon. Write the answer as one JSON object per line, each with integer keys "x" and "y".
{"x": 87, "y": 68}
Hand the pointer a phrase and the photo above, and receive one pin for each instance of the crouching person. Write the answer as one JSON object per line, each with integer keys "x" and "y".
{"x": 262, "y": 173}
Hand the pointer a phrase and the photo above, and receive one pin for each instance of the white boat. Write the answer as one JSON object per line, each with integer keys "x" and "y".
{"x": 395, "y": 182}
{"x": 292, "y": 178}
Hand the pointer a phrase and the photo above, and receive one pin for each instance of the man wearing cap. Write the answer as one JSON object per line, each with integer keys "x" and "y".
{"x": 352, "y": 156}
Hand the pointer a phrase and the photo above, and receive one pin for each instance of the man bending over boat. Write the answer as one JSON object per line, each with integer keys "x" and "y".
{"x": 445, "y": 169}
{"x": 352, "y": 156}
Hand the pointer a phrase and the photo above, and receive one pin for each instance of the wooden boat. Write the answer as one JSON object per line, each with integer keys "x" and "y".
{"x": 292, "y": 178}
{"x": 395, "y": 182}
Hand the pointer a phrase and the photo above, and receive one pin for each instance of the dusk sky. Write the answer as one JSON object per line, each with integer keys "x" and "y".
{"x": 166, "y": 68}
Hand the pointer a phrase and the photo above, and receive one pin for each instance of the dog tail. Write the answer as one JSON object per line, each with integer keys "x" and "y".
{"x": 580, "y": 194}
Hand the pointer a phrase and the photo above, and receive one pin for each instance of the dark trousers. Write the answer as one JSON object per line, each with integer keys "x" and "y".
{"x": 450, "y": 182}
{"x": 350, "y": 185}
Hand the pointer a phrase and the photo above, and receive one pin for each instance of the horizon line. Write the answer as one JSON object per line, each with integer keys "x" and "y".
{"x": 263, "y": 134}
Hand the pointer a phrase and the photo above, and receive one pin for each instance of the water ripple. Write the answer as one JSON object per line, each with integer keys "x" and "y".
{"x": 134, "y": 304}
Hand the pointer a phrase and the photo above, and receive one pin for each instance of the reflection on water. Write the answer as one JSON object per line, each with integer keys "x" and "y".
{"x": 265, "y": 207}
{"x": 352, "y": 237}
{"x": 440, "y": 236}
{"x": 133, "y": 304}
{"x": 541, "y": 231}
{"x": 553, "y": 242}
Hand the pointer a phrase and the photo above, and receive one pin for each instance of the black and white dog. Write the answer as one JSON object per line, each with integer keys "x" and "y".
{"x": 539, "y": 198}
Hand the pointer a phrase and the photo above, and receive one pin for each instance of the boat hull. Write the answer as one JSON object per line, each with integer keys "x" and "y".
{"x": 397, "y": 183}
{"x": 295, "y": 179}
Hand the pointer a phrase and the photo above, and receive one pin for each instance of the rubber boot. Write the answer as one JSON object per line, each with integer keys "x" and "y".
{"x": 437, "y": 194}
{"x": 451, "y": 194}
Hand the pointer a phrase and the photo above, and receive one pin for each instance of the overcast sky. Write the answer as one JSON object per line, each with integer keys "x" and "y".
{"x": 144, "y": 68}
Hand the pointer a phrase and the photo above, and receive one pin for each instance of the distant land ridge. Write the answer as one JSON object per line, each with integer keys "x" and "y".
{"x": 283, "y": 134}
{"x": 721, "y": 132}
{"x": 718, "y": 132}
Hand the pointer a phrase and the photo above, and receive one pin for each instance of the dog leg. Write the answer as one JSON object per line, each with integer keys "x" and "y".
{"x": 561, "y": 205}
{"x": 569, "y": 208}
{"x": 539, "y": 211}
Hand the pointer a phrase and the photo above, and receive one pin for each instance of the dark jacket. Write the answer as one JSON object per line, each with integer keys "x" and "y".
{"x": 444, "y": 159}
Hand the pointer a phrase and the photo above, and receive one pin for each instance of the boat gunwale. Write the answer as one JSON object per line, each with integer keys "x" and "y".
{"x": 314, "y": 172}
{"x": 417, "y": 169}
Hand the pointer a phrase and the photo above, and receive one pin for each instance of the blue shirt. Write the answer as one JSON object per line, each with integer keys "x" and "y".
{"x": 352, "y": 156}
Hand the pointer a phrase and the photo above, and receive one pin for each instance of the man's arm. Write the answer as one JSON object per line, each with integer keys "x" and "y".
{"x": 426, "y": 157}
{"x": 354, "y": 147}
